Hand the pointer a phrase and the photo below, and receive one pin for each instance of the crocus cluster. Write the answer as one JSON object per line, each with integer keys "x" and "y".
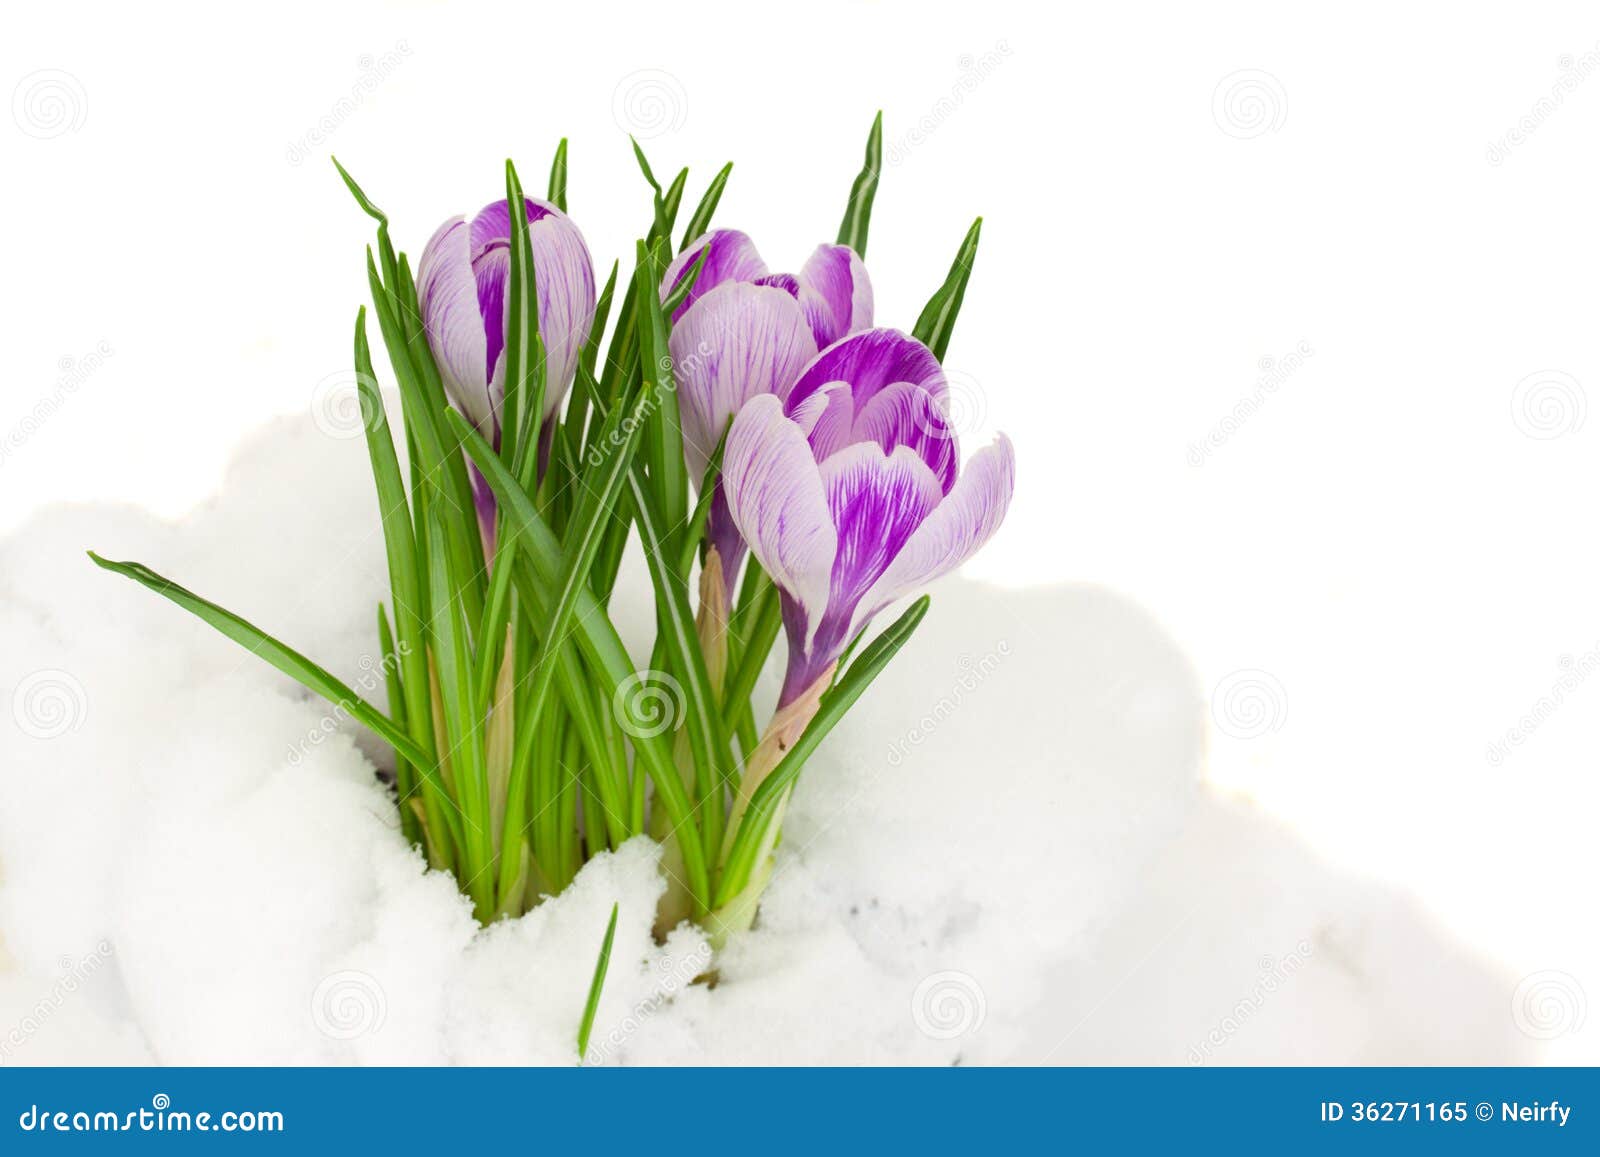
{"x": 760, "y": 422}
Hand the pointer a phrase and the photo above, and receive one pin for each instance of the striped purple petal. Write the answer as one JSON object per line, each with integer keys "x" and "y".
{"x": 906, "y": 414}
{"x": 776, "y": 498}
{"x": 835, "y": 292}
{"x": 878, "y": 386}
{"x": 731, "y": 256}
{"x": 738, "y": 341}
{"x": 870, "y": 361}
{"x": 953, "y": 533}
{"x": 448, "y": 298}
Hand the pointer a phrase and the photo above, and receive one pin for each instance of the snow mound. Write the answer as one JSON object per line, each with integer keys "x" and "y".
{"x": 197, "y": 864}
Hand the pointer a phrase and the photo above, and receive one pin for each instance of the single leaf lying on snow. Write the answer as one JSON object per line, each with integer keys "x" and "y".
{"x": 285, "y": 659}
{"x": 592, "y": 1006}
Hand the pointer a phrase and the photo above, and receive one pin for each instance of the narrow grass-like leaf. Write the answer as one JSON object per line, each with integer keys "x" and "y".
{"x": 601, "y": 487}
{"x": 462, "y": 743}
{"x": 753, "y": 634}
{"x": 592, "y": 1005}
{"x": 696, "y": 529}
{"x": 558, "y": 177}
{"x": 670, "y": 201}
{"x": 685, "y": 285}
{"x": 858, "y": 213}
{"x": 938, "y": 317}
{"x": 669, "y": 477}
{"x": 700, "y": 221}
{"x": 753, "y": 830}
{"x": 404, "y": 584}
{"x": 524, "y": 385}
{"x": 539, "y": 574}
{"x": 404, "y": 773}
{"x": 371, "y": 210}
{"x": 293, "y": 664}
{"x": 661, "y": 225}
{"x": 679, "y": 639}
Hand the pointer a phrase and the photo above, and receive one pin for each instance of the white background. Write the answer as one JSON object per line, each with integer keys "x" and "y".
{"x": 1400, "y": 551}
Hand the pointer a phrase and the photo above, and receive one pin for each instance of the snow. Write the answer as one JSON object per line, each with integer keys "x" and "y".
{"x": 1005, "y": 854}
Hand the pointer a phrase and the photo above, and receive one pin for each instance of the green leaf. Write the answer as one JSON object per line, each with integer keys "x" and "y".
{"x": 753, "y": 830}
{"x": 293, "y": 664}
{"x": 696, "y": 528}
{"x": 669, "y": 476}
{"x": 701, "y": 219}
{"x": 685, "y": 285}
{"x": 592, "y": 1005}
{"x": 443, "y": 470}
{"x": 601, "y": 487}
{"x": 558, "y": 177}
{"x": 539, "y": 571}
{"x": 938, "y": 317}
{"x": 524, "y": 380}
{"x": 404, "y": 581}
{"x": 670, "y": 202}
{"x": 858, "y": 213}
{"x": 362, "y": 199}
{"x": 462, "y": 744}
{"x": 763, "y": 617}
{"x": 708, "y": 743}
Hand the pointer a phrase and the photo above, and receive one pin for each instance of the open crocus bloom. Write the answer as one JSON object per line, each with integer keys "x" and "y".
{"x": 461, "y": 289}
{"x": 851, "y": 495}
{"x": 742, "y": 331}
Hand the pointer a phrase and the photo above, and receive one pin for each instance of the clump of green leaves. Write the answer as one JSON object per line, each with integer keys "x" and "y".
{"x": 526, "y": 741}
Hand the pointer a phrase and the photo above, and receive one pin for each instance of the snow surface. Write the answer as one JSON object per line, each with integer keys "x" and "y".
{"x": 1005, "y": 854}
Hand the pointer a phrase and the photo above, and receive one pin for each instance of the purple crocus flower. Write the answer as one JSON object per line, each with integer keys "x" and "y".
{"x": 461, "y": 289}
{"x": 742, "y": 331}
{"x": 850, "y": 493}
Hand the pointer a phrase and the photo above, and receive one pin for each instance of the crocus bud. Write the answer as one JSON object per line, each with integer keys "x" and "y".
{"x": 461, "y": 288}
